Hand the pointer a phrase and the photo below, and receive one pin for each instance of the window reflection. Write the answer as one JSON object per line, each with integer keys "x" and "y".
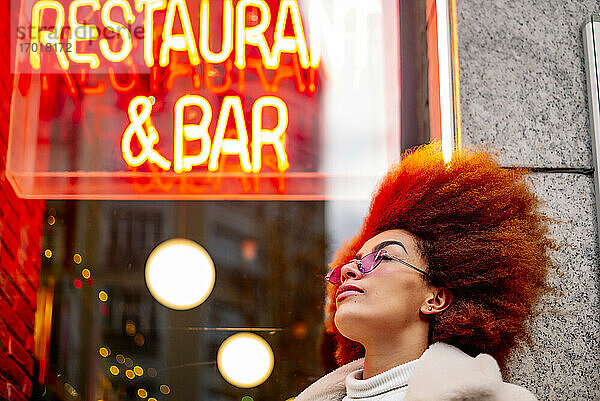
{"x": 109, "y": 339}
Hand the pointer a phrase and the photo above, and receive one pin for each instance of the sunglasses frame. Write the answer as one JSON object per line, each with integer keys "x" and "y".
{"x": 376, "y": 263}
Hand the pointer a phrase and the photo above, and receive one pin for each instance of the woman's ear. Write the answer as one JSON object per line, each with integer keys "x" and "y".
{"x": 438, "y": 300}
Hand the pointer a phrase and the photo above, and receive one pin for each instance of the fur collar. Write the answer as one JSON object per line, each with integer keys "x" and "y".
{"x": 442, "y": 373}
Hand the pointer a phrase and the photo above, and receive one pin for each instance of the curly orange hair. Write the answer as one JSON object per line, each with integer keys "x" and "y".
{"x": 483, "y": 237}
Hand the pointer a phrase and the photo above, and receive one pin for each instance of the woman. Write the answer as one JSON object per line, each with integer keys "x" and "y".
{"x": 426, "y": 302}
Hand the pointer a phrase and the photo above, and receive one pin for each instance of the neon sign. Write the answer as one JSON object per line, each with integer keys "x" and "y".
{"x": 140, "y": 109}
{"x": 176, "y": 10}
{"x": 234, "y": 24}
{"x": 171, "y": 99}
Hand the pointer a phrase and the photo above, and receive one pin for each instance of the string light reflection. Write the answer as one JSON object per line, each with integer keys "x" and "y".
{"x": 130, "y": 328}
{"x": 139, "y": 339}
{"x": 245, "y": 360}
{"x": 103, "y": 296}
{"x": 180, "y": 274}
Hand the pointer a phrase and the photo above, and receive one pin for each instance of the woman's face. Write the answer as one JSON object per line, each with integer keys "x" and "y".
{"x": 388, "y": 298}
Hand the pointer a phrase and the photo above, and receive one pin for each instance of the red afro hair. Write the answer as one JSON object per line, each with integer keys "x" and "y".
{"x": 482, "y": 236}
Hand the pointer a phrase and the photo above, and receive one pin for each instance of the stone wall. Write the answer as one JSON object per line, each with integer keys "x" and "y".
{"x": 523, "y": 94}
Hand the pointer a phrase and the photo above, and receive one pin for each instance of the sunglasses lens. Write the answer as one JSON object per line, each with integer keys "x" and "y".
{"x": 366, "y": 264}
{"x": 370, "y": 261}
{"x": 335, "y": 276}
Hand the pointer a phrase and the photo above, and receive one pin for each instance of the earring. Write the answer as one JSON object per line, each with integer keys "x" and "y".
{"x": 430, "y": 308}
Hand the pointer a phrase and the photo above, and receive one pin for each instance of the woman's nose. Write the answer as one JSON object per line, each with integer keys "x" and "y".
{"x": 351, "y": 270}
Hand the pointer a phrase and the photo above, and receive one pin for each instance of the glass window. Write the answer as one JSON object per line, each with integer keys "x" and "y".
{"x": 110, "y": 338}
{"x": 101, "y": 334}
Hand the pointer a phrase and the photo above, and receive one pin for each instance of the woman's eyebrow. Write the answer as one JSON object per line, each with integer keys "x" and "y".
{"x": 386, "y": 243}
{"x": 382, "y": 245}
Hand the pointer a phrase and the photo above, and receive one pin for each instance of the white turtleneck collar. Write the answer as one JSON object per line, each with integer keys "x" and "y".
{"x": 443, "y": 372}
{"x": 377, "y": 387}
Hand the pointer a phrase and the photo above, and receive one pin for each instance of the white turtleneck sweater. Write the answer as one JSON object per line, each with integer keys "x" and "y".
{"x": 443, "y": 372}
{"x": 390, "y": 385}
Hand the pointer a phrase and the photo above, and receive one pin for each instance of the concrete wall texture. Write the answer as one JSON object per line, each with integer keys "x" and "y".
{"x": 523, "y": 94}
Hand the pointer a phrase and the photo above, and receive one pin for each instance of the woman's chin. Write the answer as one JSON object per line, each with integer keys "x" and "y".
{"x": 350, "y": 321}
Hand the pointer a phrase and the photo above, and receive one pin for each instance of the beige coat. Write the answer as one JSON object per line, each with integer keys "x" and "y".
{"x": 443, "y": 373}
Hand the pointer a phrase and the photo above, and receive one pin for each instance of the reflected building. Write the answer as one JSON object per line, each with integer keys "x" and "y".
{"x": 269, "y": 259}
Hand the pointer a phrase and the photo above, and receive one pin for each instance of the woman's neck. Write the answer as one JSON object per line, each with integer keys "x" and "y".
{"x": 391, "y": 351}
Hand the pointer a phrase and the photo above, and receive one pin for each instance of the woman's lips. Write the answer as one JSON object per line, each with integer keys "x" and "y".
{"x": 347, "y": 290}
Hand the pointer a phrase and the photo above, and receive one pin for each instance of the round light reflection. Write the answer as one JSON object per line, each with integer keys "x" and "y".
{"x": 139, "y": 340}
{"x": 180, "y": 274}
{"x": 245, "y": 360}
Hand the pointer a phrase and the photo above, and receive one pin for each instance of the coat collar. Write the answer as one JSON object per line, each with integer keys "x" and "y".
{"x": 442, "y": 373}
